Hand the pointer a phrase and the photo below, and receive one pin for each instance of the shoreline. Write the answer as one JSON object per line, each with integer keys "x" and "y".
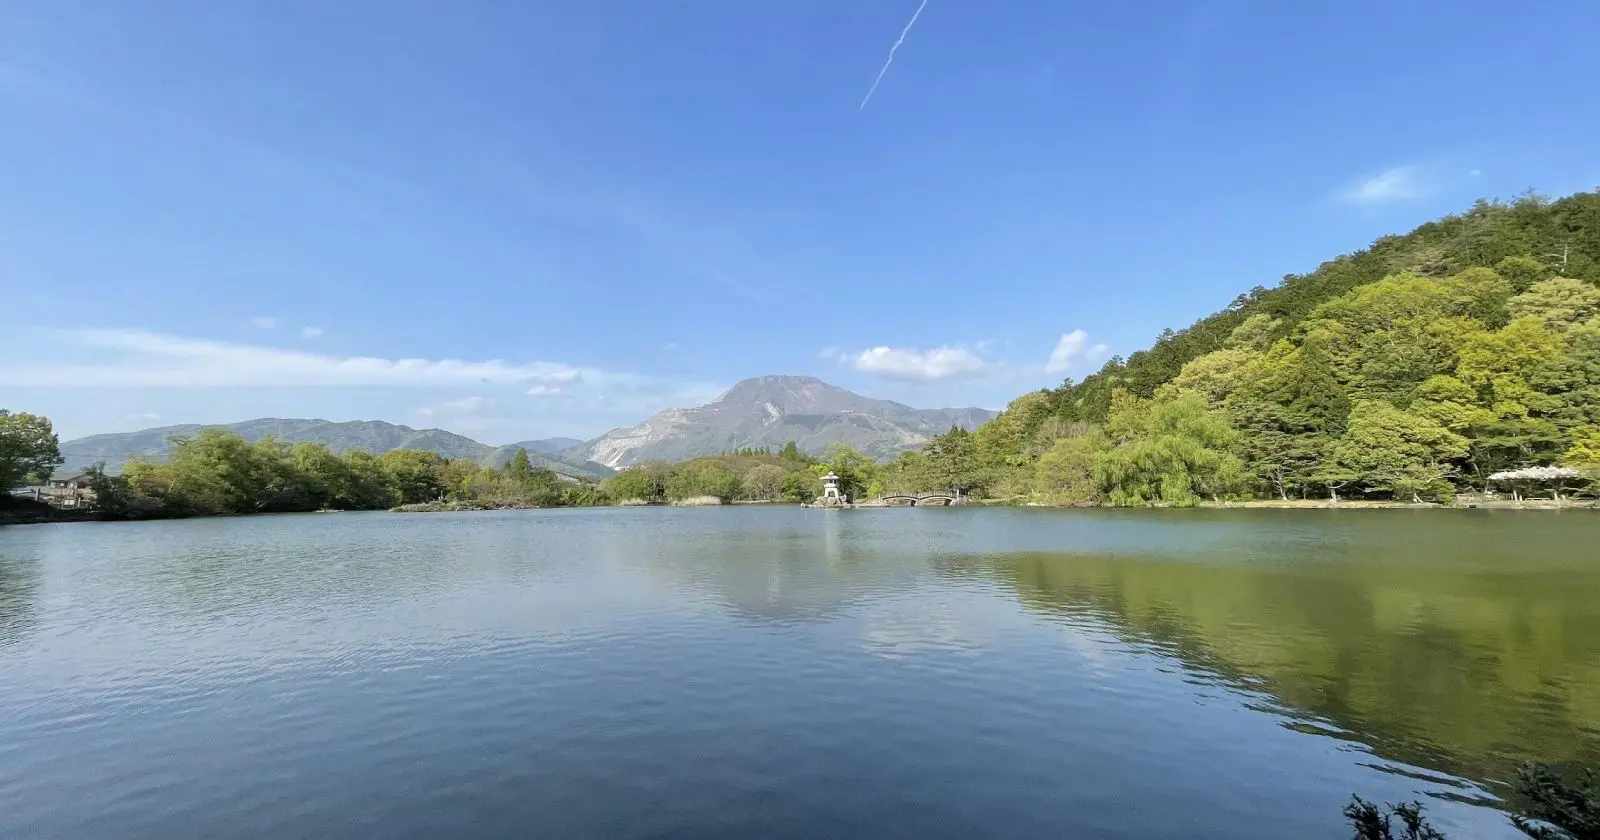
{"x": 34, "y": 517}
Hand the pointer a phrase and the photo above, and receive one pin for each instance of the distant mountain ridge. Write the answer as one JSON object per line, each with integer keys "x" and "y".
{"x": 374, "y": 436}
{"x": 771, "y": 410}
{"x": 764, "y": 411}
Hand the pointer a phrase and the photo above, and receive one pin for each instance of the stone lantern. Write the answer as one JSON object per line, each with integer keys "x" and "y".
{"x": 830, "y": 490}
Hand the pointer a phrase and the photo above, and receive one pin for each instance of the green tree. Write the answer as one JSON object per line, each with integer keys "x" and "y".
{"x": 799, "y": 485}
{"x": 1214, "y": 376}
{"x": 856, "y": 471}
{"x": 1288, "y": 407}
{"x": 637, "y": 482}
{"x": 367, "y": 485}
{"x": 1066, "y": 473}
{"x": 1257, "y": 332}
{"x": 584, "y": 495}
{"x": 1395, "y": 451}
{"x": 28, "y": 447}
{"x": 1004, "y": 441}
{"x": 415, "y": 474}
{"x": 953, "y": 462}
{"x": 1521, "y": 272}
{"x": 707, "y": 478}
{"x": 1169, "y": 451}
{"x": 520, "y": 468}
{"x": 1482, "y": 295}
{"x": 1559, "y": 303}
{"x": 791, "y": 452}
{"x": 909, "y": 472}
{"x": 764, "y": 482}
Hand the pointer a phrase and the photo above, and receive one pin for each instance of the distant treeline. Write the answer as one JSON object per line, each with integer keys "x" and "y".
{"x": 217, "y": 472}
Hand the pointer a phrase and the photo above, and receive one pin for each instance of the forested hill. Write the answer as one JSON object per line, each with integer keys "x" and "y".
{"x": 372, "y": 436}
{"x": 1428, "y": 363}
{"x": 1562, "y": 236}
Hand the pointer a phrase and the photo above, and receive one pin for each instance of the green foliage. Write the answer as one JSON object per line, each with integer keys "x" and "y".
{"x": 1509, "y": 237}
{"x": 1066, "y": 473}
{"x": 791, "y": 453}
{"x": 764, "y": 482}
{"x": 1521, "y": 272}
{"x": 584, "y": 495}
{"x": 1471, "y": 345}
{"x": 1388, "y": 449}
{"x": 799, "y": 486}
{"x": 856, "y": 472}
{"x": 1371, "y": 823}
{"x": 1549, "y": 808}
{"x": 28, "y": 448}
{"x": 1553, "y": 808}
{"x": 1173, "y": 451}
{"x": 415, "y": 474}
{"x": 1558, "y": 303}
{"x": 952, "y": 461}
{"x": 702, "y": 478}
{"x": 635, "y": 483}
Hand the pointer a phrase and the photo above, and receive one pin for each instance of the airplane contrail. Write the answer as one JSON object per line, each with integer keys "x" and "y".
{"x": 897, "y": 43}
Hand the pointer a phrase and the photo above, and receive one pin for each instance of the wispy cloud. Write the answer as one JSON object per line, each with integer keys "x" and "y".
{"x": 890, "y": 59}
{"x": 464, "y": 405}
{"x": 1071, "y": 348}
{"x": 138, "y": 359}
{"x": 468, "y": 414}
{"x": 263, "y": 322}
{"x": 310, "y": 332}
{"x": 1399, "y": 183}
{"x": 919, "y": 365}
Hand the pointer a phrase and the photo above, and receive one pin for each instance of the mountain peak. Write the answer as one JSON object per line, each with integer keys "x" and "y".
{"x": 762, "y": 388}
{"x": 772, "y": 410}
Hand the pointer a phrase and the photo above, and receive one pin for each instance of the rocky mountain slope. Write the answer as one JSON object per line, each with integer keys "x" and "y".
{"x": 371, "y": 435}
{"x": 771, "y": 410}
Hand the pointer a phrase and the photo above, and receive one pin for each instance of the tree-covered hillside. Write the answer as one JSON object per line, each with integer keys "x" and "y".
{"x": 1562, "y": 237}
{"x": 1423, "y": 365}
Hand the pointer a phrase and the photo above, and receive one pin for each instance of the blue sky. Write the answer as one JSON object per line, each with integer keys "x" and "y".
{"x": 518, "y": 220}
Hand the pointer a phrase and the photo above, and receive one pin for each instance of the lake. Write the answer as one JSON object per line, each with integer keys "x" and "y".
{"x": 777, "y": 672}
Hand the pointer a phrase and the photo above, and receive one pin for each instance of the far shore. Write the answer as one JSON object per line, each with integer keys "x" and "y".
{"x": 38, "y": 517}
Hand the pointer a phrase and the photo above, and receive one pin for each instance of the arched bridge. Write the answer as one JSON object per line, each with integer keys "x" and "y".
{"x": 914, "y": 499}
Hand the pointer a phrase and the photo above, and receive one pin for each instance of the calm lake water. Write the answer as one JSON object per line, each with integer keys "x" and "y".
{"x": 776, "y": 672}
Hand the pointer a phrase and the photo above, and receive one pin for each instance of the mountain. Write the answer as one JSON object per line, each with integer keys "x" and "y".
{"x": 771, "y": 410}
{"x": 371, "y": 435}
{"x": 546, "y": 446}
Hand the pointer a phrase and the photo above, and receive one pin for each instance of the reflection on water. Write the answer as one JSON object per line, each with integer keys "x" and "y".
{"x": 782, "y": 672}
{"x": 19, "y": 591}
{"x": 1468, "y": 671}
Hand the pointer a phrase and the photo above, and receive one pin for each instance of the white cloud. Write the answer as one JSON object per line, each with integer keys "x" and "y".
{"x": 1070, "y": 349}
{"x": 310, "y": 332}
{"x": 544, "y": 391}
{"x": 263, "y": 322}
{"x": 938, "y": 363}
{"x": 138, "y": 359}
{"x": 1396, "y": 184}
